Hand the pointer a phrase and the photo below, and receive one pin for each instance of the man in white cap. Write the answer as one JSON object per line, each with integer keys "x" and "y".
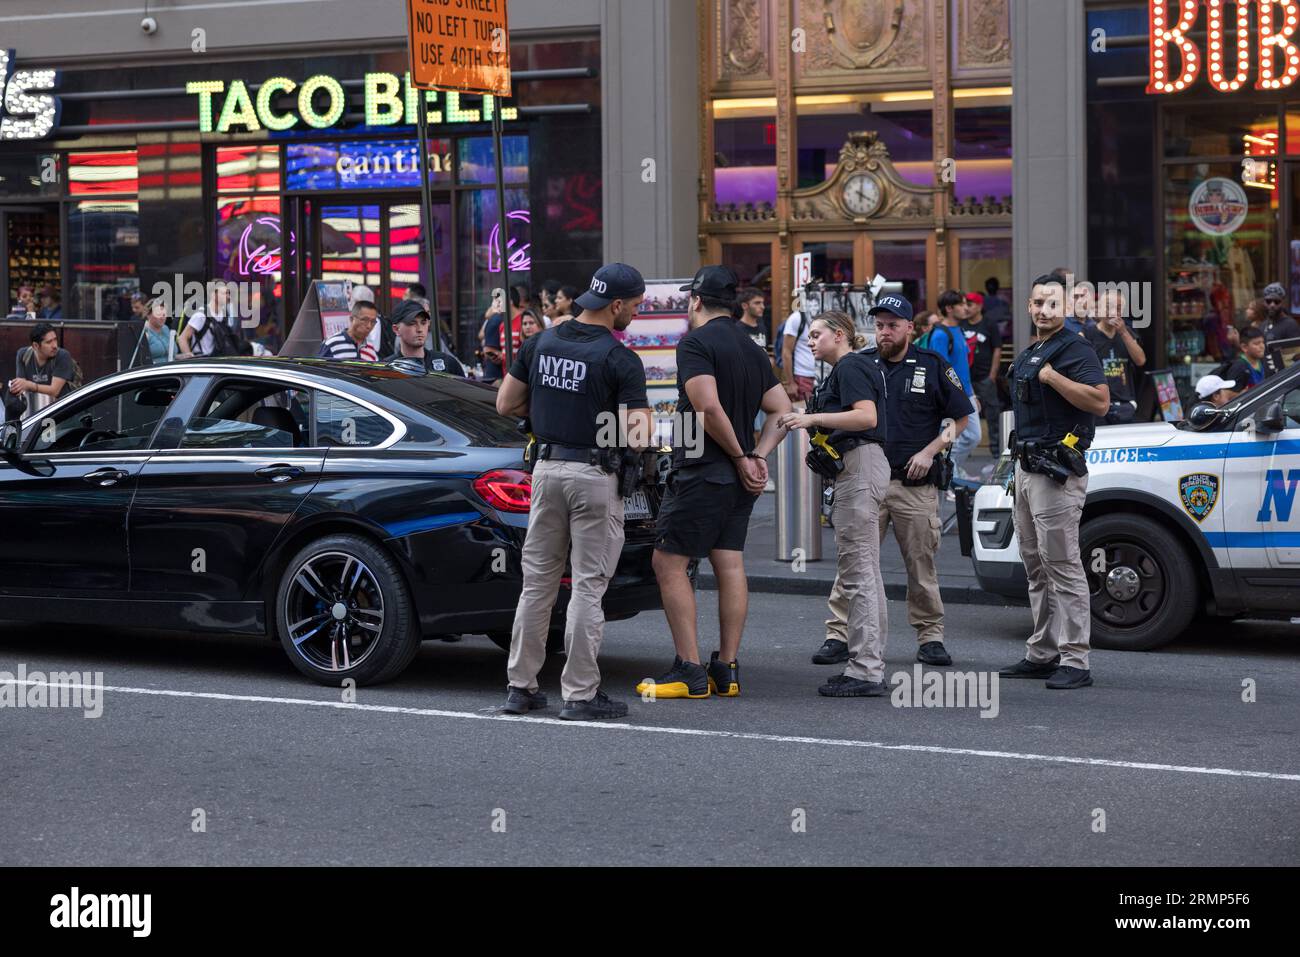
{"x": 1216, "y": 390}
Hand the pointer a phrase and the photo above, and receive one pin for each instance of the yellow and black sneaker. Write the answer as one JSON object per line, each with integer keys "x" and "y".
{"x": 685, "y": 679}
{"x": 724, "y": 677}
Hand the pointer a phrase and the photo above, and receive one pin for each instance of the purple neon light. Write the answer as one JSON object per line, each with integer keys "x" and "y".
{"x": 520, "y": 260}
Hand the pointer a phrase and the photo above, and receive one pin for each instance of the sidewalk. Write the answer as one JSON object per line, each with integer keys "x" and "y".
{"x": 957, "y": 582}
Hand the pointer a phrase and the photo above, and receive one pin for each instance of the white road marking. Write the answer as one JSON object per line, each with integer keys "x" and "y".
{"x": 686, "y": 732}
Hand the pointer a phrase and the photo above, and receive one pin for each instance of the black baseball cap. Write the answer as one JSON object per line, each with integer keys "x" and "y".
{"x": 409, "y": 312}
{"x": 716, "y": 282}
{"x": 611, "y": 281}
{"x": 894, "y": 305}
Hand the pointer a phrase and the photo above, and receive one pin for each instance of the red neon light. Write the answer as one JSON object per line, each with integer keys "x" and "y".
{"x": 1217, "y": 39}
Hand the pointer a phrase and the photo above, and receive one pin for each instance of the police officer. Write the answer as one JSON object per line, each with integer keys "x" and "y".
{"x": 573, "y": 381}
{"x": 1058, "y": 391}
{"x": 848, "y": 414}
{"x": 922, "y": 390}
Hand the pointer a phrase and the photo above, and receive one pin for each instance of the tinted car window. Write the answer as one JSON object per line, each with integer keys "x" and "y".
{"x": 466, "y": 407}
{"x": 341, "y": 421}
{"x": 1291, "y": 407}
{"x": 121, "y": 420}
{"x": 249, "y": 414}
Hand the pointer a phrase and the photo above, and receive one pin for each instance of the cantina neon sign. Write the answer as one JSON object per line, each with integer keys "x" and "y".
{"x": 320, "y": 102}
{"x": 1277, "y": 47}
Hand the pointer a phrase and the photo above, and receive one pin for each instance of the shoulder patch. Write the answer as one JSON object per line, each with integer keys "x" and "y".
{"x": 952, "y": 376}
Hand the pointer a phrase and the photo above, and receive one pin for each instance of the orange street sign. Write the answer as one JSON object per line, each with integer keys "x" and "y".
{"x": 459, "y": 45}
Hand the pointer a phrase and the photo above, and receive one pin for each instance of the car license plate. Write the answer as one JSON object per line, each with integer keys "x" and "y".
{"x": 636, "y": 505}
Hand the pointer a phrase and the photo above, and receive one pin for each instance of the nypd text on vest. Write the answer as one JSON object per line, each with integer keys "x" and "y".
{"x": 568, "y": 375}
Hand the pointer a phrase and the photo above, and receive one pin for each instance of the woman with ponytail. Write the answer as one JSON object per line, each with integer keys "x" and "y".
{"x": 848, "y": 412}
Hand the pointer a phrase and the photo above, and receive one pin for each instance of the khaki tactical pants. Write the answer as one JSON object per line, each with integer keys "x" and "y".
{"x": 857, "y": 602}
{"x": 1047, "y": 525}
{"x": 914, "y": 513}
{"x": 576, "y": 514}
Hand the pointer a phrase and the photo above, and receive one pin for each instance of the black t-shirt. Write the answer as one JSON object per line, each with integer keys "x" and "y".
{"x": 434, "y": 362}
{"x": 988, "y": 347}
{"x": 923, "y": 391}
{"x": 1243, "y": 375}
{"x": 59, "y": 367}
{"x": 1116, "y": 363}
{"x": 755, "y": 332}
{"x": 856, "y": 377}
{"x": 743, "y": 373}
{"x": 575, "y": 372}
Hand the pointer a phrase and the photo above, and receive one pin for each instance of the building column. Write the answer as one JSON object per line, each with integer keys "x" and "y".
{"x": 649, "y": 105}
{"x": 1048, "y": 146}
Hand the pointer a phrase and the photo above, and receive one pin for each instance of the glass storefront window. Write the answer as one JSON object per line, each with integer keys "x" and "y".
{"x": 831, "y": 261}
{"x": 251, "y": 248}
{"x": 480, "y": 253}
{"x": 982, "y": 260}
{"x": 1229, "y": 128}
{"x": 20, "y": 175}
{"x": 752, "y": 264}
{"x": 744, "y": 160}
{"x": 103, "y": 240}
{"x": 365, "y": 164}
{"x": 905, "y": 133}
{"x": 476, "y": 163}
{"x": 903, "y": 261}
{"x": 982, "y": 149}
{"x": 248, "y": 169}
{"x": 1220, "y": 244}
{"x": 103, "y": 171}
{"x": 407, "y": 260}
{"x": 350, "y": 244}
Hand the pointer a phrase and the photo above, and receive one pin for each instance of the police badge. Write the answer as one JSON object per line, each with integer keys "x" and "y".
{"x": 1199, "y": 493}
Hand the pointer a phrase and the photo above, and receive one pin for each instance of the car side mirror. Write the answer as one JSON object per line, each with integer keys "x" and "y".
{"x": 1204, "y": 415}
{"x": 10, "y": 434}
{"x": 1272, "y": 419}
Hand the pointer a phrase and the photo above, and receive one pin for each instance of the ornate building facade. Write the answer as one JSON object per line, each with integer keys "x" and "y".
{"x": 873, "y": 134}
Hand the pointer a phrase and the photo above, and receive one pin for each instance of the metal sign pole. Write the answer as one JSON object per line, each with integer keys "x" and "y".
{"x": 503, "y": 243}
{"x": 426, "y": 218}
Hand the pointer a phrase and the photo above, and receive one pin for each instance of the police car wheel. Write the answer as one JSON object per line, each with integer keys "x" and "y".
{"x": 342, "y": 611}
{"x": 1142, "y": 586}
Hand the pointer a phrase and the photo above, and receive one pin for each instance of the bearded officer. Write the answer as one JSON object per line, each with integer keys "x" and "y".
{"x": 570, "y": 380}
{"x": 1058, "y": 391}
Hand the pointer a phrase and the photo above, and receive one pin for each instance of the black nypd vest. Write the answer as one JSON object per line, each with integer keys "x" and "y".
{"x": 1042, "y": 413}
{"x": 568, "y": 384}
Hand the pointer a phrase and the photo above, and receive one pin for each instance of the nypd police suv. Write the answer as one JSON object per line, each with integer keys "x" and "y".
{"x": 1198, "y": 518}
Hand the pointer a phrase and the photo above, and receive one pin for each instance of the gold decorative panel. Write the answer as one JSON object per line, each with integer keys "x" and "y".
{"x": 900, "y": 202}
{"x": 982, "y": 38}
{"x": 872, "y": 41}
{"x": 743, "y": 31}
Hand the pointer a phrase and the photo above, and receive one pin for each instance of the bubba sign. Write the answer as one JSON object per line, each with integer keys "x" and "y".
{"x": 1175, "y": 60}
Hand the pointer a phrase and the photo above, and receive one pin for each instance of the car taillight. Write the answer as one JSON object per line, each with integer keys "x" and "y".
{"x": 508, "y": 490}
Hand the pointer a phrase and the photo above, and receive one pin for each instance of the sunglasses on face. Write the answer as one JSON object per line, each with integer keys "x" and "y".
{"x": 1274, "y": 302}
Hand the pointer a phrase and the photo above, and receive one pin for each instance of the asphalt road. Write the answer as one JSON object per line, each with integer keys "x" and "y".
{"x": 419, "y": 771}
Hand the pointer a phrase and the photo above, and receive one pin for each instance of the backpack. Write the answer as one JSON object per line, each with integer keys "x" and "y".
{"x": 225, "y": 341}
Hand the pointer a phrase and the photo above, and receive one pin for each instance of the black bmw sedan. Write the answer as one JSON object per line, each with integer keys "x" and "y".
{"x": 349, "y": 509}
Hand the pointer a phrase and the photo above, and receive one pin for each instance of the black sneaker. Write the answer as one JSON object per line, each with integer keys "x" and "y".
{"x": 685, "y": 679}
{"x": 601, "y": 706}
{"x": 522, "y": 701}
{"x": 724, "y": 677}
{"x": 842, "y": 686}
{"x": 1068, "y": 677}
{"x": 933, "y": 653}
{"x": 832, "y": 652}
{"x": 1024, "y": 668}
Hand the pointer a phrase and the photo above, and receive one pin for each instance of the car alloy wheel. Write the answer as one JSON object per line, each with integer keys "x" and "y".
{"x": 335, "y": 610}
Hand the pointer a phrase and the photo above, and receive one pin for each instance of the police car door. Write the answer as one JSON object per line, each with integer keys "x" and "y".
{"x": 1279, "y": 508}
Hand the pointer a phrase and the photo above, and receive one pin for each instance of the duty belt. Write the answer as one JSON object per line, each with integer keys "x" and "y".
{"x": 602, "y": 458}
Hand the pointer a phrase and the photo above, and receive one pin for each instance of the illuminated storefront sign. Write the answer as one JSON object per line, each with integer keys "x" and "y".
{"x": 319, "y": 103}
{"x": 1174, "y": 59}
{"x": 28, "y": 115}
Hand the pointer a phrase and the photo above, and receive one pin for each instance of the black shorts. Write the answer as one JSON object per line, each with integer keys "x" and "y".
{"x": 700, "y": 514}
